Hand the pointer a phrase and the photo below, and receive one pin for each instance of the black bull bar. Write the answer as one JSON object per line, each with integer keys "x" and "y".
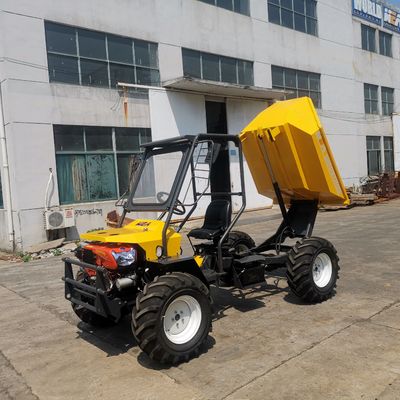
{"x": 94, "y": 298}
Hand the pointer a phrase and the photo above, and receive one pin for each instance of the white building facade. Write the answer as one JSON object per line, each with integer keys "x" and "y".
{"x": 205, "y": 65}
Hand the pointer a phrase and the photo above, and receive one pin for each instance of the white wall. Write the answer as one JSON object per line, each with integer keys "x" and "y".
{"x": 176, "y": 114}
{"x": 4, "y": 242}
{"x": 32, "y": 105}
{"x": 239, "y": 113}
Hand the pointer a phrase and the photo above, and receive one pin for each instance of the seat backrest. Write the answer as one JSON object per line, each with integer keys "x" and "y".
{"x": 218, "y": 215}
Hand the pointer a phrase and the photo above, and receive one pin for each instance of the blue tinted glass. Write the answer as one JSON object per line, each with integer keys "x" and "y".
{"x": 142, "y": 53}
{"x": 191, "y": 63}
{"x": 229, "y": 70}
{"x": 127, "y": 139}
{"x": 101, "y": 176}
{"x": 121, "y": 73}
{"x": 210, "y": 67}
{"x": 63, "y": 69}
{"x": 228, "y": 4}
{"x": 120, "y": 49}
{"x": 274, "y": 14}
{"x": 60, "y": 38}
{"x": 98, "y": 138}
{"x": 68, "y": 138}
{"x": 72, "y": 178}
{"x": 245, "y": 72}
{"x": 94, "y": 73}
{"x": 92, "y": 44}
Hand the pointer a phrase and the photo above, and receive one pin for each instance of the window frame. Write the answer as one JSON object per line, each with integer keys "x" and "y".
{"x": 387, "y": 106}
{"x": 367, "y": 44}
{"x": 110, "y": 63}
{"x": 113, "y": 151}
{"x": 378, "y": 151}
{"x": 240, "y": 67}
{"x": 296, "y": 88}
{"x": 283, "y": 9}
{"x": 388, "y": 153}
{"x": 387, "y": 50}
{"x": 369, "y": 100}
{"x": 234, "y": 7}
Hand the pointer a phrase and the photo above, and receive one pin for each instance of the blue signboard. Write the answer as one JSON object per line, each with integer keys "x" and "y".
{"x": 369, "y": 10}
{"x": 391, "y": 19}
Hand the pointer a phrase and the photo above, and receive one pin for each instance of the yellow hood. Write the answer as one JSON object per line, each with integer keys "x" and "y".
{"x": 146, "y": 233}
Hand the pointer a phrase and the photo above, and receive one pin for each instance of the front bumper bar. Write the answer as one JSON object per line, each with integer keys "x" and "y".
{"x": 94, "y": 298}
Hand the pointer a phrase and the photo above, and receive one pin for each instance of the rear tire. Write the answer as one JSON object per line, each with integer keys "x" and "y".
{"x": 313, "y": 269}
{"x": 172, "y": 318}
{"x": 240, "y": 241}
{"x": 87, "y": 316}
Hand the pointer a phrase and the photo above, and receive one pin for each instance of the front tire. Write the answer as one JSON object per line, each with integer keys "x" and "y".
{"x": 313, "y": 269}
{"x": 172, "y": 318}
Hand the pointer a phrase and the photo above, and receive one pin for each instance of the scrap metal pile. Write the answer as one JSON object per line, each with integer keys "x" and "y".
{"x": 375, "y": 188}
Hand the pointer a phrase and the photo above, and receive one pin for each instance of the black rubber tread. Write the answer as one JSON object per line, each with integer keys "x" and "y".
{"x": 299, "y": 269}
{"x": 147, "y": 317}
{"x": 237, "y": 237}
{"x": 88, "y": 316}
{"x": 234, "y": 239}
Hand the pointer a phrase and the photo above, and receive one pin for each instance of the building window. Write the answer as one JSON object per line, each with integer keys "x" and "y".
{"x": 212, "y": 67}
{"x": 387, "y": 100}
{"x": 385, "y": 44}
{"x": 371, "y": 99}
{"x": 301, "y": 83}
{"x": 300, "y": 15}
{"x": 374, "y": 155}
{"x": 239, "y": 6}
{"x": 388, "y": 153}
{"x": 82, "y": 57}
{"x": 95, "y": 163}
{"x": 368, "y": 41}
{"x": 1, "y": 195}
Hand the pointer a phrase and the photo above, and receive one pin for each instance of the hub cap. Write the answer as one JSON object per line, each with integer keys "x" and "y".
{"x": 241, "y": 248}
{"x": 322, "y": 270}
{"x": 182, "y": 319}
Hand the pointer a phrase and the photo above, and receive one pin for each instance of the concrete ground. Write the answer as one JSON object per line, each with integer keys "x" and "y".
{"x": 266, "y": 345}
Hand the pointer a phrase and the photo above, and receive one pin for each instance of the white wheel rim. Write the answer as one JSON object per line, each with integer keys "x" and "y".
{"x": 322, "y": 270}
{"x": 182, "y": 319}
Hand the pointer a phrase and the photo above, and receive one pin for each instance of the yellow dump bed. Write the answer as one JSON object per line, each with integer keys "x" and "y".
{"x": 290, "y": 136}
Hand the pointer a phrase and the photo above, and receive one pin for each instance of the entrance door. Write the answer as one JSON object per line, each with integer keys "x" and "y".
{"x": 220, "y": 177}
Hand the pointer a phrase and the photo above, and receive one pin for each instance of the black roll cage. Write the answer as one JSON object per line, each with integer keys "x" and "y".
{"x": 185, "y": 144}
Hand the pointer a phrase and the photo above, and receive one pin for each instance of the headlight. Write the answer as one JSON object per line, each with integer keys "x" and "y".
{"x": 159, "y": 250}
{"x": 125, "y": 258}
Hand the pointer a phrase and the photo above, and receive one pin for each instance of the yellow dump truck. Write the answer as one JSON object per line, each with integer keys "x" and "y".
{"x": 139, "y": 268}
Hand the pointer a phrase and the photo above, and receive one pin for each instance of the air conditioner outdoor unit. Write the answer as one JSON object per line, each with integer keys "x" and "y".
{"x": 59, "y": 219}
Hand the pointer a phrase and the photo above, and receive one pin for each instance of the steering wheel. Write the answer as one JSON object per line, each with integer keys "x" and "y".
{"x": 179, "y": 208}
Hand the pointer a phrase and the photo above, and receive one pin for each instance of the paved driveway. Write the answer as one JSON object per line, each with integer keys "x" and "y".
{"x": 265, "y": 345}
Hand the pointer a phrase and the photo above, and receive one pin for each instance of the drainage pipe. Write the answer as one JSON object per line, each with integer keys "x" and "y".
{"x": 6, "y": 175}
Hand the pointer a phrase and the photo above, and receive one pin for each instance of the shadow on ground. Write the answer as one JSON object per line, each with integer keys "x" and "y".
{"x": 118, "y": 339}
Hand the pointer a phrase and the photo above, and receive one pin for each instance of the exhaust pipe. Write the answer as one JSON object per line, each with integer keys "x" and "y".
{"x": 124, "y": 283}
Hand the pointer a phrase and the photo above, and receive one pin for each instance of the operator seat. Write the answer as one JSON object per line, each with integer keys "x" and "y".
{"x": 216, "y": 221}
